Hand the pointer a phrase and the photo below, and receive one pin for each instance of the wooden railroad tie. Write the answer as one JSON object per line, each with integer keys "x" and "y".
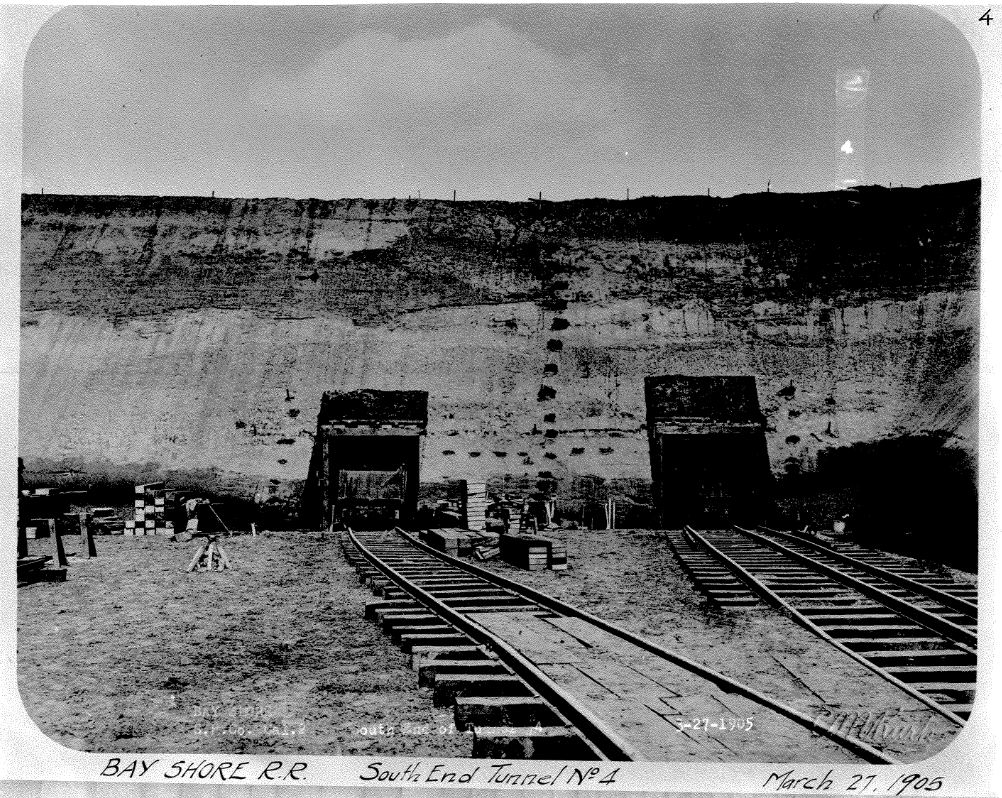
{"x": 209, "y": 557}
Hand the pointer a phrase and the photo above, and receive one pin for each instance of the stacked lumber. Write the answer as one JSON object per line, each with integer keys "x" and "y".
{"x": 33, "y": 569}
{"x": 105, "y": 521}
{"x": 151, "y": 506}
{"x": 486, "y": 552}
{"x": 27, "y": 565}
{"x": 485, "y": 545}
{"x": 475, "y": 505}
{"x": 451, "y": 540}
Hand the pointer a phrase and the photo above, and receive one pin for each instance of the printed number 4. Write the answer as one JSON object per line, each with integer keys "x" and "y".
{"x": 986, "y": 17}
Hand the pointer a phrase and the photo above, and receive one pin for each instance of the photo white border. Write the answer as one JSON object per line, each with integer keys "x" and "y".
{"x": 31, "y": 763}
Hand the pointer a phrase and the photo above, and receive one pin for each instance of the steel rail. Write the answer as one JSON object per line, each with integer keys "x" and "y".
{"x": 953, "y": 602}
{"x": 963, "y": 638}
{"x": 603, "y": 739}
{"x": 778, "y": 601}
{"x": 867, "y": 752}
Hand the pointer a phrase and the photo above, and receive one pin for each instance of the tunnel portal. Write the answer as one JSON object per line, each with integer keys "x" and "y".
{"x": 709, "y": 459}
{"x": 366, "y": 458}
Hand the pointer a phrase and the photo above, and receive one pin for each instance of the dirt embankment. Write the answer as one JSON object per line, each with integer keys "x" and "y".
{"x": 196, "y": 333}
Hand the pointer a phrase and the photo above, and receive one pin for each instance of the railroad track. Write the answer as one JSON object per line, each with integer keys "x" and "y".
{"x": 908, "y": 627}
{"x": 530, "y": 676}
{"x": 940, "y": 595}
{"x": 712, "y": 576}
{"x": 936, "y": 584}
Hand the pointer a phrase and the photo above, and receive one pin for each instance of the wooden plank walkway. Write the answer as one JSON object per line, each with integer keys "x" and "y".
{"x": 650, "y": 702}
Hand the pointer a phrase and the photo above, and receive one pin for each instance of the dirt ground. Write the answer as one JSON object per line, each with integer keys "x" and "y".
{"x": 131, "y": 653}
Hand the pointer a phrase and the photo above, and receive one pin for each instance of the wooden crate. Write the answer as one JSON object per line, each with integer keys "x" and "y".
{"x": 558, "y": 556}
{"x": 533, "y": 553}
{"x": 524, "y": 552}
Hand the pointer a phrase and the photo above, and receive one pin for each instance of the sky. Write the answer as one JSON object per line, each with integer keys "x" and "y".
{"x": 496, "y": 102}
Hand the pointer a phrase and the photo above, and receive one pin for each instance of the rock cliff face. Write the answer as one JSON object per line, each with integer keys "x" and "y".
{"x": 195, "y": 333}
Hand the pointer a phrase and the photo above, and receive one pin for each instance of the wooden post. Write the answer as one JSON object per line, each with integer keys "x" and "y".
{"x": 198, "y": 556}
{"x": 325, "y": 476}
{"x": 22, "y": 539}
{"x": 58, "y": 554}
{"x": 87, "y": 548}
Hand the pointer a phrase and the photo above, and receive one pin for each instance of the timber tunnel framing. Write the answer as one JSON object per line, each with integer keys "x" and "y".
{"x": 365, "y": 468}
{"x": 709, "y": 458}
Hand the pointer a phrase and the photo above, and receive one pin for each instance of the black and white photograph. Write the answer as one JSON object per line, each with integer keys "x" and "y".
{"x": 503, "y": 396}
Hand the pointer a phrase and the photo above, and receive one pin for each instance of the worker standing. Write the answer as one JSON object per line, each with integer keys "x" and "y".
{"x": 258, "y": 507}
{"x": 191, "y": 514}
